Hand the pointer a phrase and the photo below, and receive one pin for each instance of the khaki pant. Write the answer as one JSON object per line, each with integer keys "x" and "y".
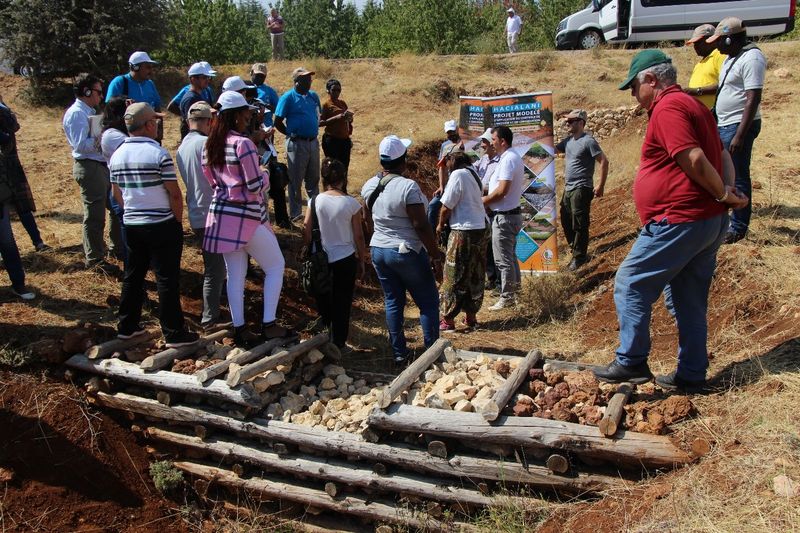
{"x": 92, "y": 178}
{"x": 277, "y": 46}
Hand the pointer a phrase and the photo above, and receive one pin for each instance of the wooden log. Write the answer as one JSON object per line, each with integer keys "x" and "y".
{"x": 557, "y": 463}
{"x": 338, "y": 472}
{"x": 242, "y": 374}
{"x": 504, "y": 393}
{"x": 168, "y": 356}
{"x": 552, "y": 365}
{"x": 164, "y": 381}
{"x": 239, "y": 359}
{"x": 99, "y": 351}
{"x": 372, "y": 510}
{"x": 331, "y": 489}
{"x": 341, "y": 443}
{"x": 437, "y": 448}
{"x": 467, "y": 355}
{"x": 412, "y": 373}
{"x": 629, "y": 448}
{"x": 615, "y": 410}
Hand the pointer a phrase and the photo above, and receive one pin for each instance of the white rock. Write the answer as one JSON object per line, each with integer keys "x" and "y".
{"x": 284, "y": 368}
{"x": 313, "y": 356}
{"x": 333, "y": 370}
{"x": 293, "y": 402}
{"x": 337, "y": 404}
{"x": 464, "y": 406}
{"x": 432, "y": 375}
{"x": 785, "y": 487}
{"x": 481, "y": 404}
{"x": 454, "y": 396}
{"x": 435, "y": 401}
{"x": 484, "y": 393}
{"x": 460, "y": 377}
{"x": 316, "y": 408}
{"x": 343, "y": 379}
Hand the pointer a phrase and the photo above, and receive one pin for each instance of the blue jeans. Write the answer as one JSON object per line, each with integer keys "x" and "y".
{"x": 410, "y": 272}
{"x": 28, "y": 222}
{"x": 682, "y": 257}
{"x": 9, "y": 250}
{"x": 434, "y": 208}
{"x": 740, "y": 220}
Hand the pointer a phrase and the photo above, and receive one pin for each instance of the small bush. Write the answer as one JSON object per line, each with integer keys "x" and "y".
{"x": 493, "y": 63}
{"x": 546, "y": 297}
{"x": 166, "y": 477}
{"x": 441, "y": 92}
{"x": 15, "y": 357}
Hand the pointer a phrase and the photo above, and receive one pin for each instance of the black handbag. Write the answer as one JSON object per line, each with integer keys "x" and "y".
{"x": 315, "y": 274}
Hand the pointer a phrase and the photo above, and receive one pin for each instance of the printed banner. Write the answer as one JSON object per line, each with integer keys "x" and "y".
{"x": 530, "y": 117}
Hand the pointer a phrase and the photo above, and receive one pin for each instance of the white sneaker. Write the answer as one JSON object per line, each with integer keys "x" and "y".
{"x": 24, "y": 293}
{"x": 502, "y": 303}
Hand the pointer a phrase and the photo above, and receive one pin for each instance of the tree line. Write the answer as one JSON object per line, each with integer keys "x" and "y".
{"x": 65, "y": 37}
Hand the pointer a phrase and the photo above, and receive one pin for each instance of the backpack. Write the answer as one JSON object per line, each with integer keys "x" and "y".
{"x": 315, "y": 273}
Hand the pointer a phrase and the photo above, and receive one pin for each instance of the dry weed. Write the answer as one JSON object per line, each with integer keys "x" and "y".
{"x": 546, "y": 297}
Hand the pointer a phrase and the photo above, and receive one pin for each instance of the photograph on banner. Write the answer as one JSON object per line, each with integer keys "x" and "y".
{"x": 530, "y": 117}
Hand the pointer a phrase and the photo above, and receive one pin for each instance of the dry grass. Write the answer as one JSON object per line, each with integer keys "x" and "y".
{"x": 756, "y": 295}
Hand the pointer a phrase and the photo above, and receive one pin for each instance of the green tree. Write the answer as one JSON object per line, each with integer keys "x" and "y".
{"x": 217, "y": 31}
{"x": 66, "y": 37}
{"x": 540, "y": 19}
{"x": 319, "y": 27}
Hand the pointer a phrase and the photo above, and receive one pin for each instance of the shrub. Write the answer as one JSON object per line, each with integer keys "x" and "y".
{"x": 15, "y": 357}
{"x": 546, "y": 297}
{"x": 165, "y": 476}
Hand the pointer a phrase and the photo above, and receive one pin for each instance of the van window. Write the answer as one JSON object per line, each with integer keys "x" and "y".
{"x": 659, "y": 3}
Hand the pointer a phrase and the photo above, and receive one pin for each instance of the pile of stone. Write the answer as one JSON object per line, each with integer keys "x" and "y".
{"x": 605, "y": 123}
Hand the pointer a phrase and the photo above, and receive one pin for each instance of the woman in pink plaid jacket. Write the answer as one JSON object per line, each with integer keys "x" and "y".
{"x": 237, "y": 225}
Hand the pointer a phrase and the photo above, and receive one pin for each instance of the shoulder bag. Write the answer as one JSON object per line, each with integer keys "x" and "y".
{"x": 315, "y": 274}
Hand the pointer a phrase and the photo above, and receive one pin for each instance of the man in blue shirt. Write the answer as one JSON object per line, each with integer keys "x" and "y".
{"x": 90, "y": 171}
{"x": 199, "y": 78}
{"x": 136, "y": 84}
{"x": 268, "y": 95}
{"x": 297, "y": 117}
{"x": 208, "y": 93}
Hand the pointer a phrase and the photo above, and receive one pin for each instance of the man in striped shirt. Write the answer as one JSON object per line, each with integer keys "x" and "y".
{"x": 146, "y": 187}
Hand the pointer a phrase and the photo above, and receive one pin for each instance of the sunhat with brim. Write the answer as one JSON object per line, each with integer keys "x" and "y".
{"x": 393, "y": 147}
{"x": 232, "y": 100}
{"x": 486, "y": 136}
{"x": 236, "y": 83}
{"x": 641, "y": 61}
{"x": 139, "y": 57}
{"x": 727, "y": 26}
{"x": 701, "y": 33}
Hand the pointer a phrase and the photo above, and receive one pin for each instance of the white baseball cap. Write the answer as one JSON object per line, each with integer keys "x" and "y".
{"x": 393, "y": 147}
{"x": 510, "y": 10}
{"x": 450, "y": 125}
{"x": 232, "y": 100}
{"x": 202, "y": 69}
{"x": 137, "y": 58}
{"x": 487, "y": 135}
{"x": 236, "y": 83}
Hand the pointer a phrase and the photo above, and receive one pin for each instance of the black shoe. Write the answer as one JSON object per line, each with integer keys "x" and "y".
{"x": 182, "y": 338}
{"x": 244, "y": 338}
{"x": 616, "y": 373}
{"x": 672, "y": 382}
{"x": 402, "y": 360}
{"x": 271, "y": 330}
{"x": 125, "y": 335}
{"x": 285, "y": 224}
{"x": 575, "y": 264}
{"x": 732, "y": 237}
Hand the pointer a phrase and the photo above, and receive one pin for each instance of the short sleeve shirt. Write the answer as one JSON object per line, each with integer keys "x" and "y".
{"x": 462, "y": 195}
{"x": 269, "y": 96}
{"x": 746, "y": 74}
{"x": 662, "y": 190}
{"x": 705, "y": 73}
{"x": 393, "y": 228}
{"x": 301, "y": 113}
{"x": 335, "y": 214}
{"x": 510, "y": 168}
{"x": 580, "y": 158}
{"x": 138, "y": 91}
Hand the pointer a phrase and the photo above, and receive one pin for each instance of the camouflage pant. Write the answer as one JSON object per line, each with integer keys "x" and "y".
{"x": 464, "y": 270}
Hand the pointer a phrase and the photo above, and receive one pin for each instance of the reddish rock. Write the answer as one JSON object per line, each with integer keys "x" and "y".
{"x": 554, "y": 377}
{"x": 524, "y": 409}
{"x": 502, "y": 367}
{"x": 561, "y": 411}
{"x": 562, "y": 389}
{"x": 590, "y": 414}
{"x": 184, "y": 366}
{"x": 656, "y": 421}
{"x": 676, "y": 408}
{"x": 537, "y": 386}
{"x": 551, "y": 398}
{"x": 581, "y": 381}
{"x": 579, "y": 397}
{"x": 536, "y": 373}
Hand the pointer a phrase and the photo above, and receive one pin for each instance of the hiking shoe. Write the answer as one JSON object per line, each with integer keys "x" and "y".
{"x": 401, "y": 360}
{"x": 42, "y": 247}
{"x": 182, "y": 338}
{"x": 502, "y": 303}
{"x": 447, "y": 325}
{"x": 470, "y": 322}
{"x": 285, "y": 224}
{"x": 138, "y": 330}
{"x": 271, "y": 330}
{"x": 575, "y": 264}
{"x": 732, "y": 237}
{"x": 672, "y": 382}
{"x": 23, "y": 293}
{"x": 298, "y": 218}
{"x": 617, "y": 373}
{"x": 244, "y": 338}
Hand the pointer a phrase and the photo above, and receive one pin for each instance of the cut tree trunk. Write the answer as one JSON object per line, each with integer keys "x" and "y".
{"x": 614, "y": 410}
{"x": 168, "y": 356}
{"x": 239, "y": 359}
{"x": 340, "y": 472}
{"x": 412, "y": 373}
{"x": 105, "y": 349}
{"x": 165, "y": 381}
{"x": 341, "y": 443}
{"x": 504, "y": 393}
{"x": 629, "y": 448}
{"x": 551, "y": 365}
{"x": 243, "y": 373}
{"x": 372, "y": 510}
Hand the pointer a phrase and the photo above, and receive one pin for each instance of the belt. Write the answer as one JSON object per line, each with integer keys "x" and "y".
{"x": 299, "y": 138}
{"x": 515, "y": 211}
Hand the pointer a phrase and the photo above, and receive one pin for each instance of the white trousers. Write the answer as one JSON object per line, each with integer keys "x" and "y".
{"x": 512, "y": 42}
{"x": 263, "y": 247}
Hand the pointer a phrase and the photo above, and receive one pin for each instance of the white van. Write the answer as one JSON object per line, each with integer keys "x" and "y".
{"x": 674, "y": 20}
{"x": 580, "y": 31}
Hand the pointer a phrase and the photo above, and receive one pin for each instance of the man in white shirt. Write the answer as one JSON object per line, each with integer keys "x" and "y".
{"x": 486, "y": 166}
{"x": 741, "y": 81}
{"x": 189, "y": 159}
{"x": 505, "y": 189}
{"x": 513, "y": 28}
{"x": 91, "y": 172}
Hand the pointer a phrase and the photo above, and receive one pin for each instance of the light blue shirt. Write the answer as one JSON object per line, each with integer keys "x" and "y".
{"x": 300, "y": 113}
{"x": 208, "y": 95}
{"x": 269, "y": 96}
{"x": 76, "y": 128}
{"x": 138, "y": 91}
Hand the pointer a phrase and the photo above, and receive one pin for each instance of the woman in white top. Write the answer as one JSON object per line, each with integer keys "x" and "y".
{"x": 339, "y": 217}
{"x": 114, "y": 134}
{"x": 465, "y": 262}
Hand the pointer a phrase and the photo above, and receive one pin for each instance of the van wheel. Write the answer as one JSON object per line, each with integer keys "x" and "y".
{"x": 589, "y": 39}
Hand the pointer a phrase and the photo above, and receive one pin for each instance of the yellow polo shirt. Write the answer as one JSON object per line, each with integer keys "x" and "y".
{"x": 705, "y": 73}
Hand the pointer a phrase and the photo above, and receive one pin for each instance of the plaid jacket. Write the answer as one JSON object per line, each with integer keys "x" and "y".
{"x": 237, "y": 207}
{"x": 10, "y": 166}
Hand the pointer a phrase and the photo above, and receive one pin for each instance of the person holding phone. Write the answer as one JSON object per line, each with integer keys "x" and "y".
{"x": 338, "y": 122}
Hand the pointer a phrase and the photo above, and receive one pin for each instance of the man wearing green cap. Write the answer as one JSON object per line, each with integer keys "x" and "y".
{"x": 682, "y": 196}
